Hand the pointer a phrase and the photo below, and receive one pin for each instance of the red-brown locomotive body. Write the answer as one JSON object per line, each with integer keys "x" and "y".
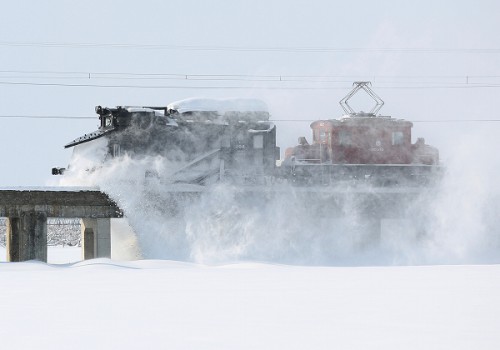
{"x": 363, "y": 139}
{"x": 362, "y": 145}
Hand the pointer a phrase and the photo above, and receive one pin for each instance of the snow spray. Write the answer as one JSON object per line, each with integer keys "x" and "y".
{"x": 457, "y": 223}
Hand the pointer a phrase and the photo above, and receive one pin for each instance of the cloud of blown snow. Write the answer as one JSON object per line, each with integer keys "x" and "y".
{"x": 454, "y": 223}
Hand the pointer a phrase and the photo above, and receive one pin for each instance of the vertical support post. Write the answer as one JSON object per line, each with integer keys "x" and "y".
{"x": 96, "y": 237}
{"x": 39, "y": 221}
{"x": 103, "y": 238}
{"x": 27, "y": 237}
{"x": 87, "y": 228}
{"x": 12, "y": 236}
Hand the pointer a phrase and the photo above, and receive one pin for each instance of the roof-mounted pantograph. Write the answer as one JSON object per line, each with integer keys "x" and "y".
{"x": 361, "y": 85}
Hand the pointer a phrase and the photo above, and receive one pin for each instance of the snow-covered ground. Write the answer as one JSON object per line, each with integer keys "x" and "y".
{"x": 160, "y": 304}
{"x": 55, "y": 254}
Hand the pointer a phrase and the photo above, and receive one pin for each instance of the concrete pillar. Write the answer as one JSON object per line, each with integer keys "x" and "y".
{"x": 96, "y": 238}
{"x": 27, "y": 237}
{"x": 87, "y": 240}
{"x": 12, "y": 238}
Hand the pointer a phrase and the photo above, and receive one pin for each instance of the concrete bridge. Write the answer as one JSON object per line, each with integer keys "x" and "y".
{"x": 27, "y": 210}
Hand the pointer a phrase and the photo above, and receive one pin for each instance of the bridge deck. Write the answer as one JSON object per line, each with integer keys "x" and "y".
{"x": 62, "y": 202}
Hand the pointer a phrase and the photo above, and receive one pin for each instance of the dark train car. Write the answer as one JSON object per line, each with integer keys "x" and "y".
{"x": 204, "y": 140}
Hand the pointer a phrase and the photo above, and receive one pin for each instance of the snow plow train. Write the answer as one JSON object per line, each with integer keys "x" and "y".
{"x": 234, "y": 141}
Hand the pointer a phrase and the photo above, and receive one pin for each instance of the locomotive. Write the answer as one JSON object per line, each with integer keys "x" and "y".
{"x": 210, "y": 141}
{"x": 204, "y": 141}
{"x": 362, "y": 146}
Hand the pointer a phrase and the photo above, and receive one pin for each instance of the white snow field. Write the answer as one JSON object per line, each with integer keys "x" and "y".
{"x": 155, "y": 304}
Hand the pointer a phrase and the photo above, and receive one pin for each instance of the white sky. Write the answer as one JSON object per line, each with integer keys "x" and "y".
{"x": 31, "y": 147}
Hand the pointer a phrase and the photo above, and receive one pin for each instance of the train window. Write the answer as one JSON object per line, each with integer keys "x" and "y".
{"x": 344, "y": 138}
{"x": 322, "y": 136}
{"x": 116, "y": 150}
{"x": 258, "y": 141}
{"x": 108, "y": 121}
{"x": 398, "y": 138}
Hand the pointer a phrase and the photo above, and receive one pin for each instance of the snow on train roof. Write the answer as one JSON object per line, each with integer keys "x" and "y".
{"x": 218, "y": 105}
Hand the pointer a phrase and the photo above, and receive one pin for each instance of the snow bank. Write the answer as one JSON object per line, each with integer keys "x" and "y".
{"x": 172, "y": 305}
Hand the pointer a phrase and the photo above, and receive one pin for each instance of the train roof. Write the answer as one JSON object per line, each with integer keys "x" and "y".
{"x": 366, "y": 119}
{"x": 133, "y": 109}
{"x": 220, "y": 106}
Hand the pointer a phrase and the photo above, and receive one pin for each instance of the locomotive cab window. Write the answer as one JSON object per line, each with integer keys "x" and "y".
{"x": 344, "y": 138}
{"x": 322, "y": 136}
{"x": 316, "y": 135}
{"x": 116, "y": 150}
{"x": 106, "y": 121}
{"x": 398, "y": 138}
{"x": 258, "y": 141}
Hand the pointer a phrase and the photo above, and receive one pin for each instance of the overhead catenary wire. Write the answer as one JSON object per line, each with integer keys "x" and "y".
{"x": 413, "y": 121}
{"x": 43, "y": 117}
{"x": 250, "y": 87}
{"x": 273, "y": 77}
{"x": 144, "y": 80}
{"x": 271, "y": 120}
{"x": 51, "y": 74}
{"x": 85, "y": 72}
{"x": 296, "y": 49}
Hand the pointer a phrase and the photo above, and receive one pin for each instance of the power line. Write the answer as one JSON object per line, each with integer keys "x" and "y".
{"x": 43, "y": 117}
{"x": 457, "y": 121}
{"x": 279, "y": 77}
{"x": 271, "y": 120}
{"x": 295, "y": 49}
{"x": 208, "y": 87}
{"x": 85, "y": 79}
{"x": 413, "y": 121}
{"x": 162, "y": 86}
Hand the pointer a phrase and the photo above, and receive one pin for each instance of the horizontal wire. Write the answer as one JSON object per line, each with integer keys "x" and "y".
{"x": 86, "y": 74}
{"x": 251, "y": 48}
{"x": 271, "y": 120}
{"x": 43, "y": 117}
{"x": 245, "y": 79}
{"x": 464, "y": 86}
{"x": 413, "y": 121}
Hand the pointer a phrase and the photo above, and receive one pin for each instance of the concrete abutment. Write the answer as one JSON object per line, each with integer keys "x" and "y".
{"x": 27, "y": 237}
{"x": 27, "y": 211}
{"x": 96, "y": 238}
